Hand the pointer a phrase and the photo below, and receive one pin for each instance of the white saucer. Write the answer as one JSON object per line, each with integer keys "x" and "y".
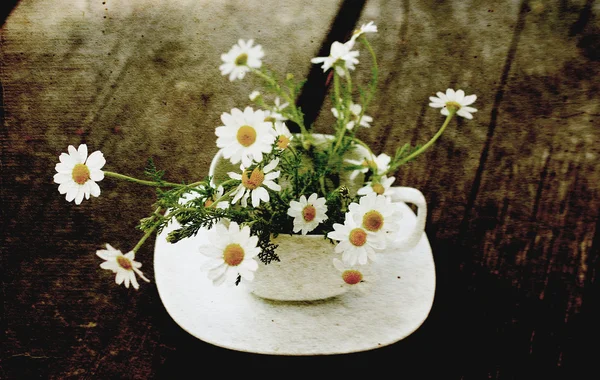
{"x": 396, "y": 304}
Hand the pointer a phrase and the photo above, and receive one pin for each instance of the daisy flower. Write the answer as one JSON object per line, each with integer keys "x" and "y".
{"x": 381, "y": 187}
{"x": 454, "y": 101}
{"x": 377, "y": 214}
{"x": 239, "y": 60}
{"x": 307, "y": 213}
{"x": 122, "y": 264}
{"x": 365, "y": 28}
{"x": 252, "y": 184}
{"x": 283, "y": 135}
{"x": 357, "y": 244}
{"x": 355, "y": 277}
{"x": 339, "y": 54}
{"x": 231, "y": 252}
{"x": 77, "y": 173}
{"x": 245, "y": 136}
{"x": 378, "y": 165}
{"x": 355, "y": 110}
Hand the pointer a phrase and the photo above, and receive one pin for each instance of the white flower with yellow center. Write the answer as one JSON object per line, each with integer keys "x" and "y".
{"x": 357, "y": 244}
{"x": 377, "y": 214}
{"x": 378, "y": 165}
{"x": 340, "y": 56}
{"x": 123, "y": 265}
{"x": 455, "y": 101}
{"x": 381, "y": 187}
{"x": 370, "y": 27}
{"x": 245, "y": 136}
{"x": 355, "y": 277}
{"x": 307, "y": 213}
{"x": 231, "y": 252}
{"x": 239, "y": 60}
{"x": 355, "y": 110}
{"x": 252, "y": 184}
{"x": 77, "y": 173}
{"x": 283, "y": 135}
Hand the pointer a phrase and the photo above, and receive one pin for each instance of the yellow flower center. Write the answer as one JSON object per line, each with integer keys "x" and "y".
{"x": 378, "y": 188}
{"x": 452, "y": 106}
{"x": 283, "y": 142}
{"x": 309, "y": 212}
{"x": 358, "y": 237}
{"x": 81, "y": 174}
{"x": 352, "y": 276}
{"x": 373, "y": 220}
{"x": 246, "y": 135}
{"x": 124, "y": 262}
{"x": 208, "y": 202}
{"x": 241, "y": 59}
{"x": 255, "y": 179}
{"x": 233, "y": 254}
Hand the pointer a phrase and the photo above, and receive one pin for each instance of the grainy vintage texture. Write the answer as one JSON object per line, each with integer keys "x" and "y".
{"x": 513, "y": 194}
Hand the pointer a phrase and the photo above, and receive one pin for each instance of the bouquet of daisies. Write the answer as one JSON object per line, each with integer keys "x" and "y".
{"x": 279, "y": 182}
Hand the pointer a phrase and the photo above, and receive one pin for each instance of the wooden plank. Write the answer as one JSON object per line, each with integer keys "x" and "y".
{"x": 535, "y": 230}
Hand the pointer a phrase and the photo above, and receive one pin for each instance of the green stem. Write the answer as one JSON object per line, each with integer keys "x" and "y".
{"x": 424, "y": 147}
{"x": 341, "y": 115}
{"x": 373, "y": 84}
{"x": 143, "y": 182}
{"x": 147, "y": 234}
{"x": 295, "y": 114}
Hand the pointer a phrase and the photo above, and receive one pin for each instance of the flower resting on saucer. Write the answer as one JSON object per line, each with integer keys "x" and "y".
{"x": 77, "y": 173}
{"x": 231, "y": 253}
{"x": 123, "y": 265}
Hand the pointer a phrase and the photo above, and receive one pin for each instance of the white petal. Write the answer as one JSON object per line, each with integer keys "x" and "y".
{"x": 469, "y": 99}
{"x": 94, "y": 189}
{"x": 96, "y": 160}
{"x": 62, "y": 178}
{"x": 83, "y": 152}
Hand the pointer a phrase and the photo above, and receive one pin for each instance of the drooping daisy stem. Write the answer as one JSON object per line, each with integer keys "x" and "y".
{"x": 422, "y": 149}
{"x": 148, "y": 183}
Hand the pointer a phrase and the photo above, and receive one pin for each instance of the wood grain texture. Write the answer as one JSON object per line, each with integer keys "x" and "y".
{"x": 513, "y": 194}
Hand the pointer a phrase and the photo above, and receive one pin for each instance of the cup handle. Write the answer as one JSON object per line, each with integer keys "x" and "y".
{"x": 414, "y": 196}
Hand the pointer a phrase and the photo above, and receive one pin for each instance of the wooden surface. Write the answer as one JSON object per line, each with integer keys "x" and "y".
{"x": 513, "y": 194}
